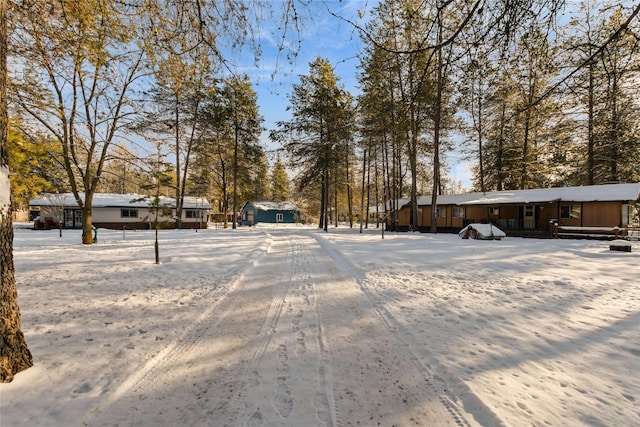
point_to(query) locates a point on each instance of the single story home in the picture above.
(118, 211)
(269, 212)
(528, 212)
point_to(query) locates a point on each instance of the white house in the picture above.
(118, 211)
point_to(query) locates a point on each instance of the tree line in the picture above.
(114, 94)
(529, 99)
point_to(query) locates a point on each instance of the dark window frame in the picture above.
(570, 211)
(458, 212)
(128, 212)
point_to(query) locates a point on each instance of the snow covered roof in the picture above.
(590, 193)
(108, 200)
(275, 206)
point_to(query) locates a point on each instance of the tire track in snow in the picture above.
(251, 346)
(291, 380)
(437, 384)
(251, 378)
(148, 377)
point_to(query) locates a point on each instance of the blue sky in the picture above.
(321, 35)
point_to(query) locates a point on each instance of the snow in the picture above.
(291, 326)
(275, 206)
(485, 231)
(108, 200)
(5, 193)
(589, 193)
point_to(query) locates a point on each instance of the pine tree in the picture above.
(279, 182)
(318, 134)
(36, 165)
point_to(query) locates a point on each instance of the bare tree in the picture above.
(81, 65)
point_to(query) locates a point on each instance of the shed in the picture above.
(269, 212)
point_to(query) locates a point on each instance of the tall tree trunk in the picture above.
(326, 199)
(178, 180)
(349, 195)
(376, 190)
(386, 186)
(413, 163)
(525, 150)
(323, 185)
(225, 202)
(235, 171)
(14, 353)
(614, 133)
(500, 175)
(364, 172)
(436, 133)
(480, 142)
(87, 217)
(590, 124)
(366, 212)
(335, 204)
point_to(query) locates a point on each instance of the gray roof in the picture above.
(275, 206)
(107, 200)
(590, 193)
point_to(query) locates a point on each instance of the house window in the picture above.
(128, 213)
(457, 212)
(569, 211)
(279, 217)
(630, 215)
(441, 212)
(191, 213)
(494, 211)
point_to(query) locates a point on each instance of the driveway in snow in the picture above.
(296, 327)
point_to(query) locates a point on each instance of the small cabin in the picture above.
(269, 212)
(118, 211)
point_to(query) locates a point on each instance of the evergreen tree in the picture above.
(36, 166)
(254, 175)
(230, 165)
(617, 116)
(279, 182)
(524, 134)
(318, 134)
(245, 124)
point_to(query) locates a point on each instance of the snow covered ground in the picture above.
(297, 327)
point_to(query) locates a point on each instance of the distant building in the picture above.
(527, 212)
(269, 212)
(118, 211)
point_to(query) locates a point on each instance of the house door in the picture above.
(529, 217)
(72, 218)
(77, 218)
